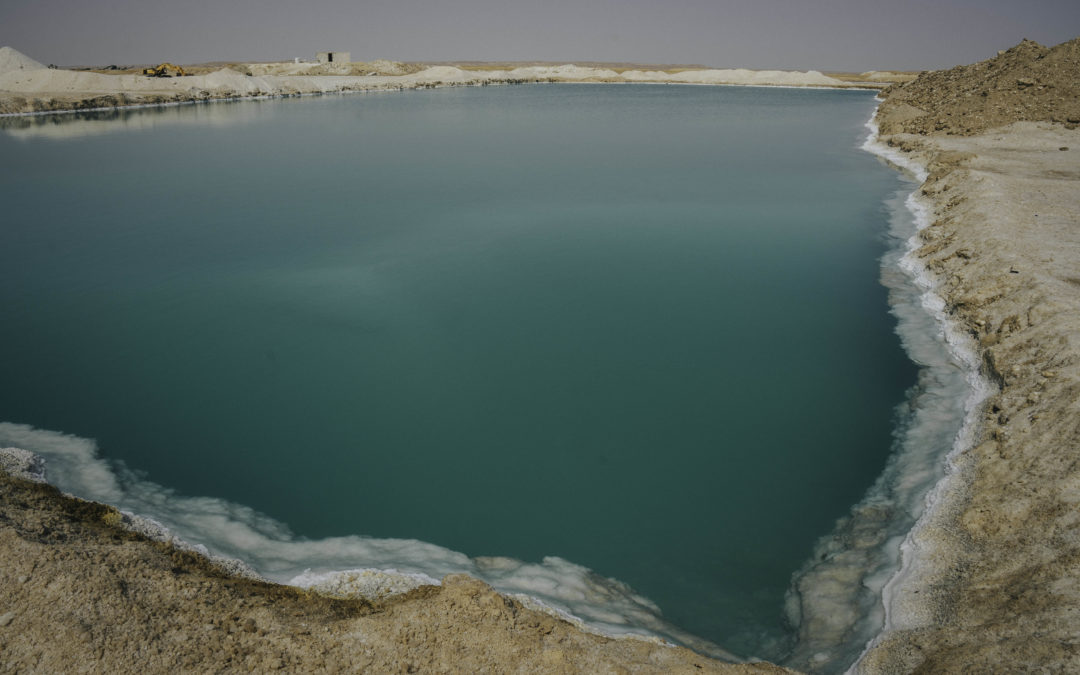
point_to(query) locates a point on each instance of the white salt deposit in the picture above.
(843, 596)
(891, 155)
(352, 566)
(227, 80)
(372, 584)
(939, 422)
(22, 464)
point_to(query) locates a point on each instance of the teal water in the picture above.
(636, 327)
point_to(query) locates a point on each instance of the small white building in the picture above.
(334, 57)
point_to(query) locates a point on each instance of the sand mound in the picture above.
(231, 83)
(445, 74)
(386, 67)
(12, 59)
(1028, 83)
(566, 71)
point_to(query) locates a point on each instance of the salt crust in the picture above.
(913, 557)
(246, 543)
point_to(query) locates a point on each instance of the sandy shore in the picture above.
(990, 577)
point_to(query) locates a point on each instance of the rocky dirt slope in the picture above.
(993, 581)
(1028, 83)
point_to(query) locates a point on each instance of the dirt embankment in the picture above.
(77, 592)
(993, 582)
(1028, 83)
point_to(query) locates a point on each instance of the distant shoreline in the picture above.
(268, 97)
(27, 87)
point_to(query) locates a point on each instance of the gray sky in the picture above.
(804, 34)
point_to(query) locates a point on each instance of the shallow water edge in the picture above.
(842, 600)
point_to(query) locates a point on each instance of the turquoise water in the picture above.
(636, 327)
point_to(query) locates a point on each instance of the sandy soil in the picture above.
(991, 576)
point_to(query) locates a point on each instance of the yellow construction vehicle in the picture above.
(164, 70)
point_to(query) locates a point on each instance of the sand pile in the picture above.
(446, 74)
(567, 72)
(387, 67)
(1028, 83)
(13, 60)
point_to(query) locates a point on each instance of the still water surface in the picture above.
(636, 327)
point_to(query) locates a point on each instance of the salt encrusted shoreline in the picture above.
(991, 574)
(835, 602)
(78, 591)
(989, 579)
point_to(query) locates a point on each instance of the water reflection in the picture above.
(79, 124)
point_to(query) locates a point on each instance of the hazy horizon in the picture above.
(836, 35)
